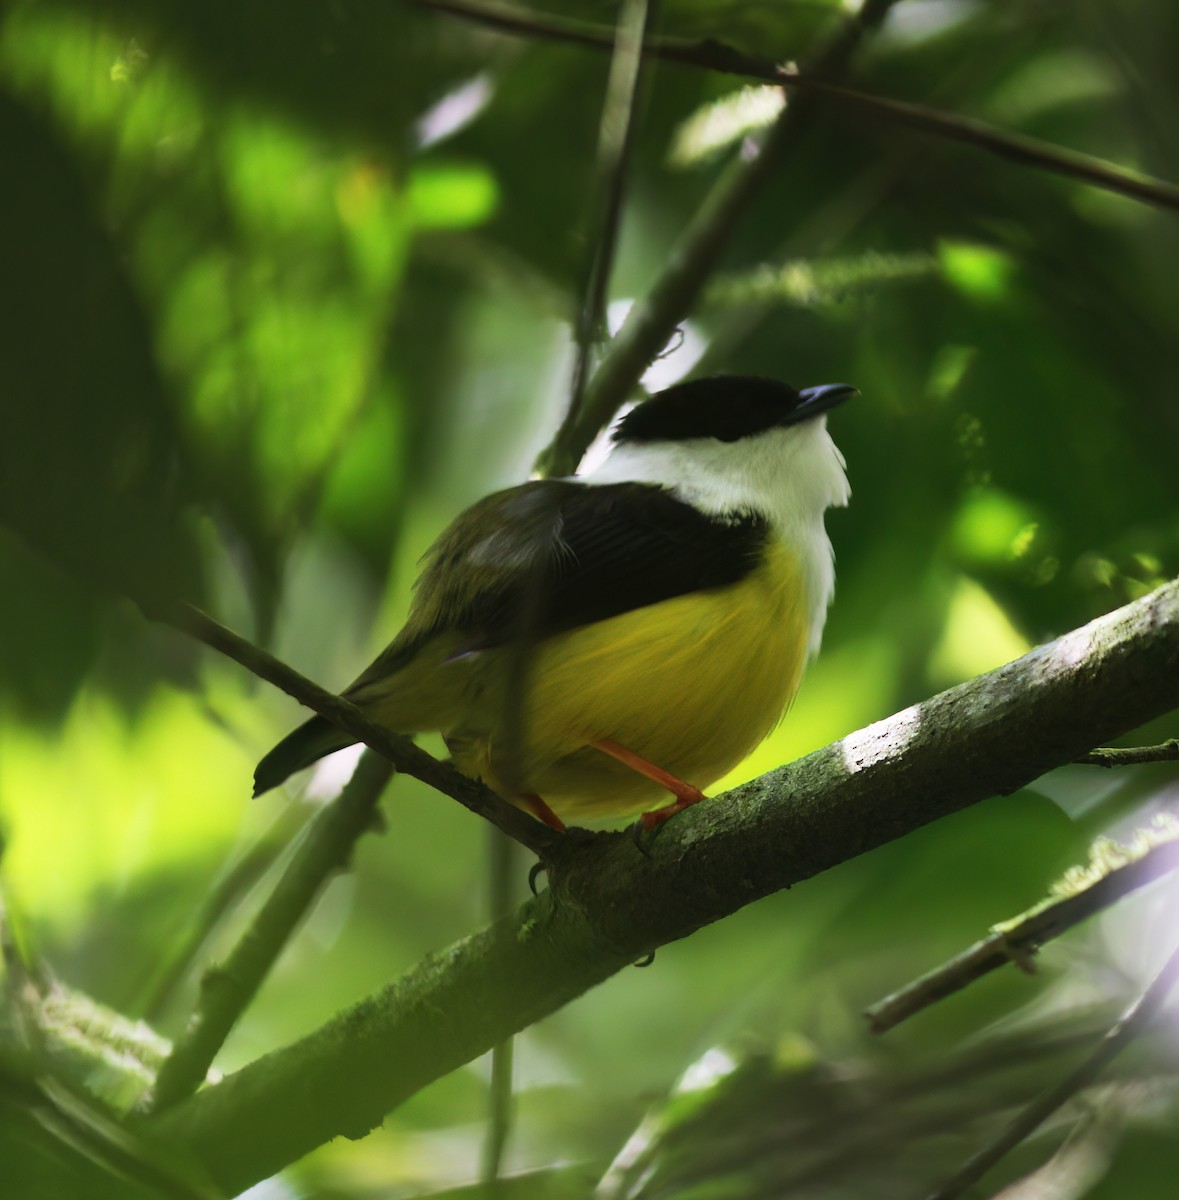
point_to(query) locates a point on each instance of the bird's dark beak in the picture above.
(813, 401)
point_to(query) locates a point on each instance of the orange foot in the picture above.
(685, 794)
(539, 809)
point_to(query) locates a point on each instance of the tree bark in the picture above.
(608, 904)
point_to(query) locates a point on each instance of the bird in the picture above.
(593, 645)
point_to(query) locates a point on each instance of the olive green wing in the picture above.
(522, 565)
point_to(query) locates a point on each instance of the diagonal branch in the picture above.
(708, 53)
(713, 55)
(400, 751)
(609, 904)
(1015, 147)
(1016, 941)
(1129, 1025)
(228, 987)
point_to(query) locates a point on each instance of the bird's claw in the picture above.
(534, 873)
(642, 833)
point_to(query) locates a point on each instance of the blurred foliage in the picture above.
(287, 285)
(783, 1121)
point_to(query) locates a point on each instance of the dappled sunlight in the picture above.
(846, 686)
(272, 319)
(451, 195)
(108, 800)
(980, 272)
(978, 636)
(713, 1065)
(880, 742)
(719, 124)
(330, 774)
(456, 110)
(1072, 649)
(992, 527)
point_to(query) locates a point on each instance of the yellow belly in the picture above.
(691, 684)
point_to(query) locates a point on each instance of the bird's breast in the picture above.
(691, 684)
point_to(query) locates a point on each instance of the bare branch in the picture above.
(653, 320)
(400, 751)
(608, 904)
(1014, 147)
(1017, 941)
(708, 53)
(1129, 1025)
(717, 56)
(615, 142)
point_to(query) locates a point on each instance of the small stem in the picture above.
(229, 987)
(1128, 1026)
(1012, 146)
(1111, 756)
(1017, 942)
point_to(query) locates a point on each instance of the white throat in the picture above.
(791, 476)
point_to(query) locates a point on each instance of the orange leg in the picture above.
(539, 809)
(685, 794)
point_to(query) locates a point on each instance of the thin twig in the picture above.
(1112, 756)
(1012, 146)
(1128, 1026)
(717, 56)
(615, 143)
(400, 751)
(1018, 942)
(708, 53)
(228, 987)
(653, 320)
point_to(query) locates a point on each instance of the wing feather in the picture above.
(554, 555)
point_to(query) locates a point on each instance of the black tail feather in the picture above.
(310, 742)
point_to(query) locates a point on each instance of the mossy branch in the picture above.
(609, 904)
(1110, 877)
